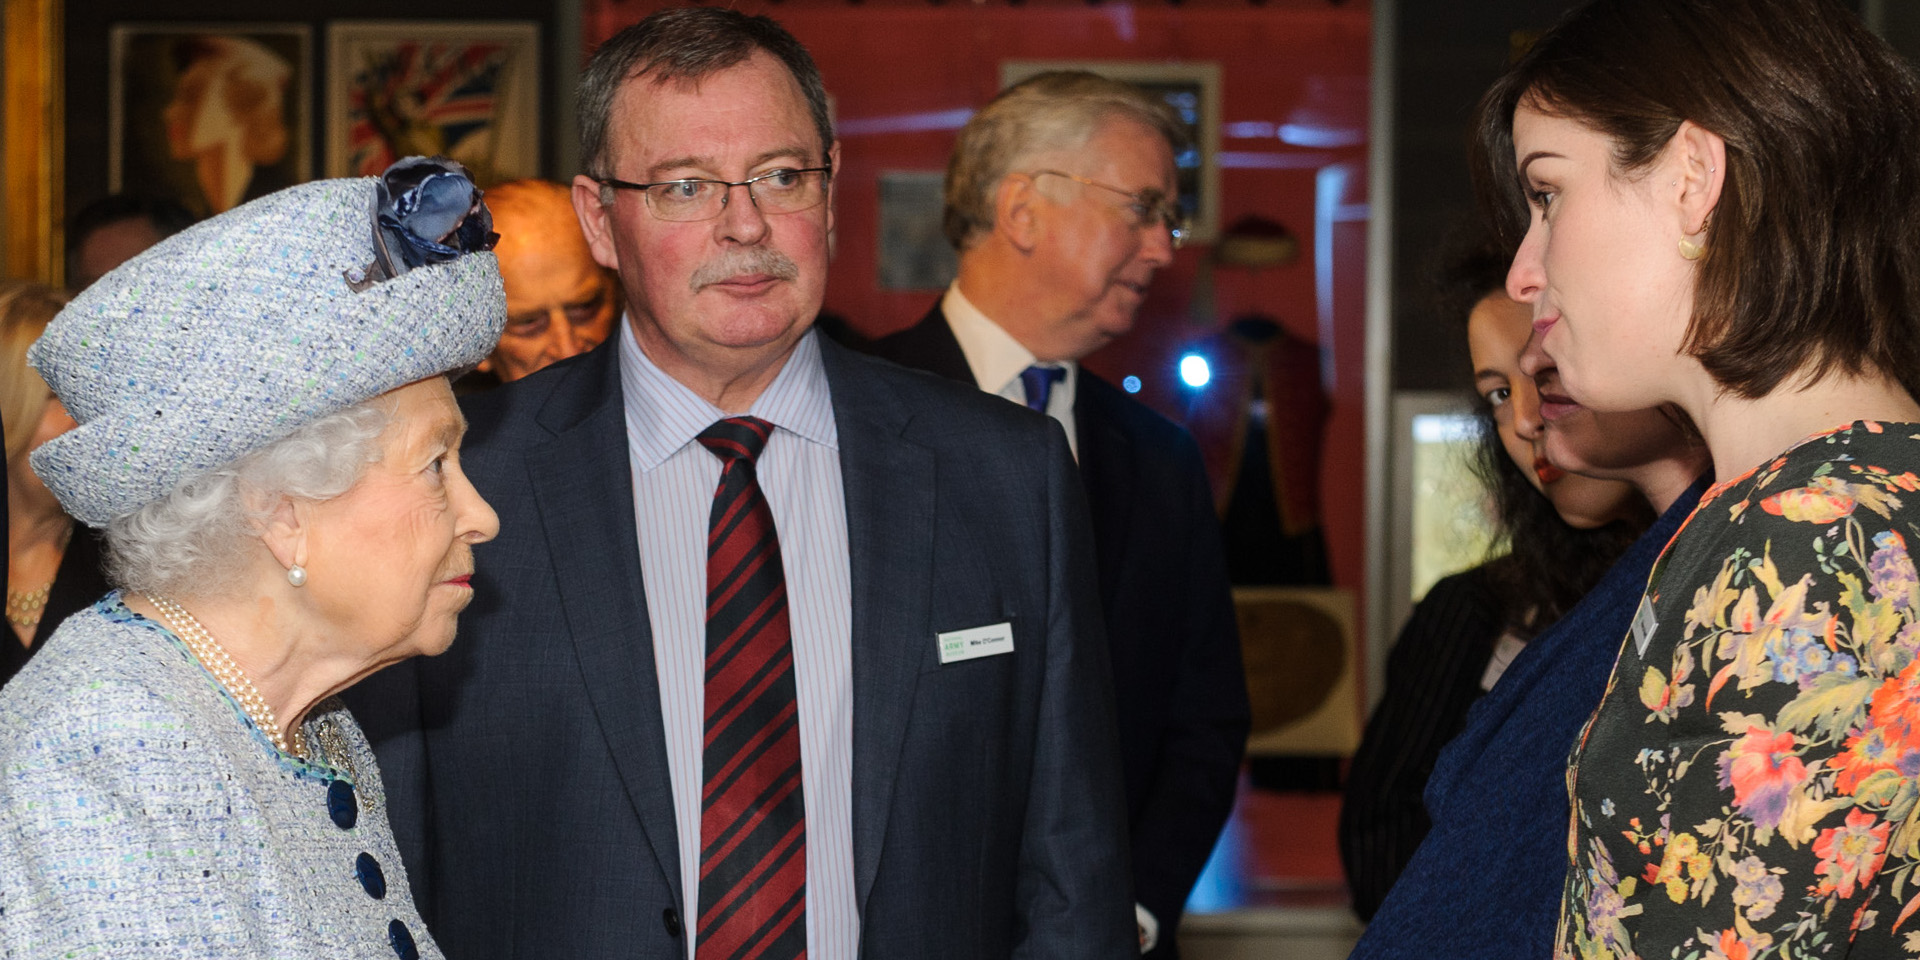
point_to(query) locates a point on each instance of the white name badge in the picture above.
(968, 644)
(1643, 626)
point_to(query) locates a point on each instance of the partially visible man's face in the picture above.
(559, 301)
(109, 246)
(744, 281)
(1090, 243)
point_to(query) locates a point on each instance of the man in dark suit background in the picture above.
(781, 648)
(1060, 198)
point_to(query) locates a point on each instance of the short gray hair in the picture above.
(192, 541)
(1046, 113)
(687, 43)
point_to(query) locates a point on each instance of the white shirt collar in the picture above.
(664, 415)
(997, 359)
(993, 355)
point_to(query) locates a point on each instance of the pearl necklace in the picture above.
(210, 654)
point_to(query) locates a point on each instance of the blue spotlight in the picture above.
(1131, 384)
(1194, 371)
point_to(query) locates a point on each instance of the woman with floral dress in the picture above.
(1723, 213)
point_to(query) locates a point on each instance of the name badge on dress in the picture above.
(1643, 626)
(1508, 648)
(976, 642)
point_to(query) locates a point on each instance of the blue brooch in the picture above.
(425, 210)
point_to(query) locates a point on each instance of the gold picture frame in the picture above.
(35, 153)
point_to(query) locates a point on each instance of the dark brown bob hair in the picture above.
(1813, 252)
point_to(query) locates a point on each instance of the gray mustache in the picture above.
(744, 260)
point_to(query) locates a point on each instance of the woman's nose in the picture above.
(1525, 400)
(1527, 275)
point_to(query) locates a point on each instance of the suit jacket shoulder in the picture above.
(862, 383)
(1098, 401)
(927, 345)
(556, 397)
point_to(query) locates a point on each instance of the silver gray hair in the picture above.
(1047, 113)
(193, 541)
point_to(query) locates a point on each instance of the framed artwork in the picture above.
(914, 253)
(212, 115)
(1193, 91)
(466, 90)
(1303, 670)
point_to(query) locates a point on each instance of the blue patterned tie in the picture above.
(1039, 381)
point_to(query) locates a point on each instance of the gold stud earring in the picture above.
(1690, 250)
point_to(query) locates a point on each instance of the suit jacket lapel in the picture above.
(583, 485)
(1106, 458)
(889, 486)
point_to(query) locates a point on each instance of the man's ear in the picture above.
(1701, 156)
(833, 163)
(1016, 211)
(595, 222)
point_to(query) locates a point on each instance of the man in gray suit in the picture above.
(782, 650)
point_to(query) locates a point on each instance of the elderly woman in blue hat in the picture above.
(267, 437)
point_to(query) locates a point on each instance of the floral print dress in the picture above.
(1747, 787)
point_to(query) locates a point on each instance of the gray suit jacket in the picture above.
(526, 770)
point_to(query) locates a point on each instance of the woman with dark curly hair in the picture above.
(1564, 531)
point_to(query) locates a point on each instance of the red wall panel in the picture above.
(1293, 148)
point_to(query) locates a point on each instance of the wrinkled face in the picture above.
(388, 561)
(1496, 333)
(559, 301)
(1599, 265)
(743, 281)
(1098, 260)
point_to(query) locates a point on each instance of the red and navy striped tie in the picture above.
(753, 831)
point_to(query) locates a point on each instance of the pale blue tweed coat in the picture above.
(141, 814)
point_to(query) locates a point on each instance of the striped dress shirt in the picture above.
(799, 471)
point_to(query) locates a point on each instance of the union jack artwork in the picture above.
(435, 95)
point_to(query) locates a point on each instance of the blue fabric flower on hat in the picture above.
(426, 210)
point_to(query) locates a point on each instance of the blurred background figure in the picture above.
(559, 301)
(1061, 199)
(50, 572)
(109, 231)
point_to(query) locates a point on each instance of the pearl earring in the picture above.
(297, 575)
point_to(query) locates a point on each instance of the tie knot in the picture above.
(736, 438)
(1038, 381)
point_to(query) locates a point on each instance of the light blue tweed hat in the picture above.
(233, 333)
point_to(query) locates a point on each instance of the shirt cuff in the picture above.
(1149, 928)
